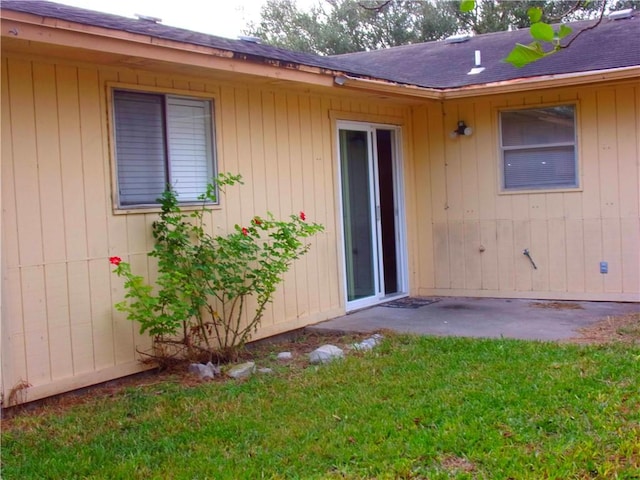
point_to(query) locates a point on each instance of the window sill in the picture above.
(532, 191)
(185, 207)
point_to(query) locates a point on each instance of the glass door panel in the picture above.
(358, 215)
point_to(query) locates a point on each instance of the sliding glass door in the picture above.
(371, 214)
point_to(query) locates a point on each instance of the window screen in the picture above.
(539, 148)
(161, 140)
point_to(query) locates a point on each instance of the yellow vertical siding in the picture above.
(60, 330)
(479, 234)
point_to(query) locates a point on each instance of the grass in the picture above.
(416, 407)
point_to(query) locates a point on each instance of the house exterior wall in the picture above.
(471, 236)
(59, 225)
(60, 330)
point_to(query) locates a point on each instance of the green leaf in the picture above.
(467, 5)
(542, 31)
(564, 31)
(522, 55)
(535, 14)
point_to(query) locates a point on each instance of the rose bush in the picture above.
(199, 302)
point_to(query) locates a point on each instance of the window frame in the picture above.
(112, 87)
(503, 190)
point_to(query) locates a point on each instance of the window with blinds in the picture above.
(538, 148)
(161, 140)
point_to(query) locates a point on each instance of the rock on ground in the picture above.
(369, 343)
(325, 354)
(204, 372)
(242, 370)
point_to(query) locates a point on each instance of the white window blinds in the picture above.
(162, 140)
(188, 131)
(539, 148)
(140, 149)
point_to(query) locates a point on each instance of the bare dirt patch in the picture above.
(621, 329)
(456, 465)
(262, 352)
(558, 305)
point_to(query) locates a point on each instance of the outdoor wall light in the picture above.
(461, 130)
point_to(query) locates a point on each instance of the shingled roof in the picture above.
(611, 45)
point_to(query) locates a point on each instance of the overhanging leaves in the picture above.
(467, 5)
(542, 31)
(522, 55)
(534, 14)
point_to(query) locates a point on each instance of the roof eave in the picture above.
(35, 28)
(507, 86)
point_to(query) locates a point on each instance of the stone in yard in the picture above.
(325, 354)
(265, 370)
(285, 356)
(243, 370)
(204, 372)
(369, 343)
(215, 370)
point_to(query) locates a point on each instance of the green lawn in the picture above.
(416, 407)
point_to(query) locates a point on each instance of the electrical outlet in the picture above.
(604, 267)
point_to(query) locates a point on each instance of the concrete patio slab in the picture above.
(482, 317)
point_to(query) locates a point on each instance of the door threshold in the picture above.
(385, 299)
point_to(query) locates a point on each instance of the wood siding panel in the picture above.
(506, 247)
(80, 315)
(320, 128)
(472, 255)
(297, 194)
(557, 255)
(594, 282)
(469, 165)
(102, 328)
(71, 163)
(486, 172)
(96, 179)
(608, 154)
(540, 254)
(612, 254)
(441, 247)
(457, 254)
(423, 207)
(575, 245)
(489, 255)
(523, 268)
(36, 333)
(588, 155)
(630, 236)
(50, 174)
(58, 326)
(309, 197)
(628, 137)
(25, 162)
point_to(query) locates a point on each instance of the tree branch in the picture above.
(377, 8)
(602, 8)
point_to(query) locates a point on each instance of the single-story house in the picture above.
(433, 167)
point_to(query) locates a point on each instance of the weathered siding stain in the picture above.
(568, 233)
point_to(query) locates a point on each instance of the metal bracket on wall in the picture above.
(528, 255)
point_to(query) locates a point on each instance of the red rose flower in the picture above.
(245, 232)
(115, 260)
(257, 221)
(303, 217)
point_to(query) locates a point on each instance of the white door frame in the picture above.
(400, 225)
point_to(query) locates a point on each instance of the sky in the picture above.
(225, 18)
